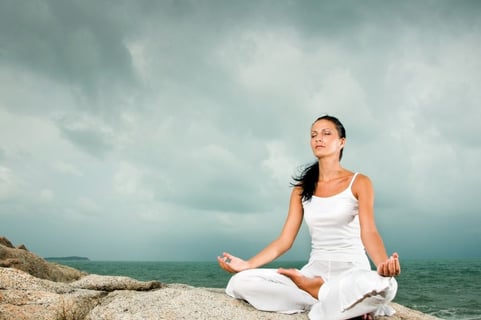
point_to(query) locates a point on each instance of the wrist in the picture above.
(249, 265)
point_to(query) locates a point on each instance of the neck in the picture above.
(329, 169)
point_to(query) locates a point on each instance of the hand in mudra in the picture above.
(391, 267)
(231, 263)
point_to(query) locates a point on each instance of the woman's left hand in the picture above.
(391, 267)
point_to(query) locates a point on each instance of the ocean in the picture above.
(447, 289)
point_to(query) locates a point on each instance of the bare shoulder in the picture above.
(361, 185)
(362, 179)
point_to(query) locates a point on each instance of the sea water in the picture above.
(447, 289)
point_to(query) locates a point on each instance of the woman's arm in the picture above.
(277, 247)
(386, 266)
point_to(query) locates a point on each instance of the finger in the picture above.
(383, 269)
(380, 269)
(397, 263)
(227, 255)
(398, 267)
(224, 265)
(392, 267)
(228, 268)
(221, 262)
(227, 261)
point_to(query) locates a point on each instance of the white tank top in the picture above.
(333, 224)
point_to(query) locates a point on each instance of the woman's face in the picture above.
(325, 139)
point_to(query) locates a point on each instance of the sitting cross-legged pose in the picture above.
(338, 208)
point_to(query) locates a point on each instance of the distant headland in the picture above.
(70, 258)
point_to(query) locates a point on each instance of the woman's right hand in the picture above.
(231, 263)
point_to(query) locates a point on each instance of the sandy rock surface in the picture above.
(23, 296)
(32, 288)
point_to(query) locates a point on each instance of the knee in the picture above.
(241, 282)
(391, 291)
(242, 277)
(235, 281)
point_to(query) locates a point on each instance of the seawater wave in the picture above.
(447, 289)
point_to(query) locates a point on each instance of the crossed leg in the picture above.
(312, 286)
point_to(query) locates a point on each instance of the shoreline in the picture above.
(95, 297)
(34, 288)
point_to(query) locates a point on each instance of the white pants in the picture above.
(349, 290)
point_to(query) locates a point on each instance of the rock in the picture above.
(180, 302)
(23, 296)
(403, 313)
(111, 283)
(5, 242)
(32, 288)
(186, 302)
(22, 259)
(22, 247)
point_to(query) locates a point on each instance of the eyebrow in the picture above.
(329, 129)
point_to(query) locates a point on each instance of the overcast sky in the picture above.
(170, 130)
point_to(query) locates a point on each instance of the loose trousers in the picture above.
(349, 290)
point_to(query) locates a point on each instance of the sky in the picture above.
(170, 130)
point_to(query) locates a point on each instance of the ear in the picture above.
(342, 142)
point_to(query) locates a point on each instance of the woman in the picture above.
(337, 282)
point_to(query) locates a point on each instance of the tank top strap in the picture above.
(352, 180)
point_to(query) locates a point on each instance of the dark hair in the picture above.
(308, 177)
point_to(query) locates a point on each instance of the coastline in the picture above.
(34, 288)
(96, 297)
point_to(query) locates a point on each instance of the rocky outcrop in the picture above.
(22, 259)
(95, 297)
(25, 296)
(5, 242)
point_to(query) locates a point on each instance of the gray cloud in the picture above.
(76, 43)
(182, 122)
(88, 134)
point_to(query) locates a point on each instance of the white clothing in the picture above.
(353, 293)
(333, 224)
(337, 255)
(268, 290)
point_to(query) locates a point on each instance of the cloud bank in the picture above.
(170, 130)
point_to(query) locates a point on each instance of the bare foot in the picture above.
(310, 285)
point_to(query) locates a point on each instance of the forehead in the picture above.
(323, 124)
